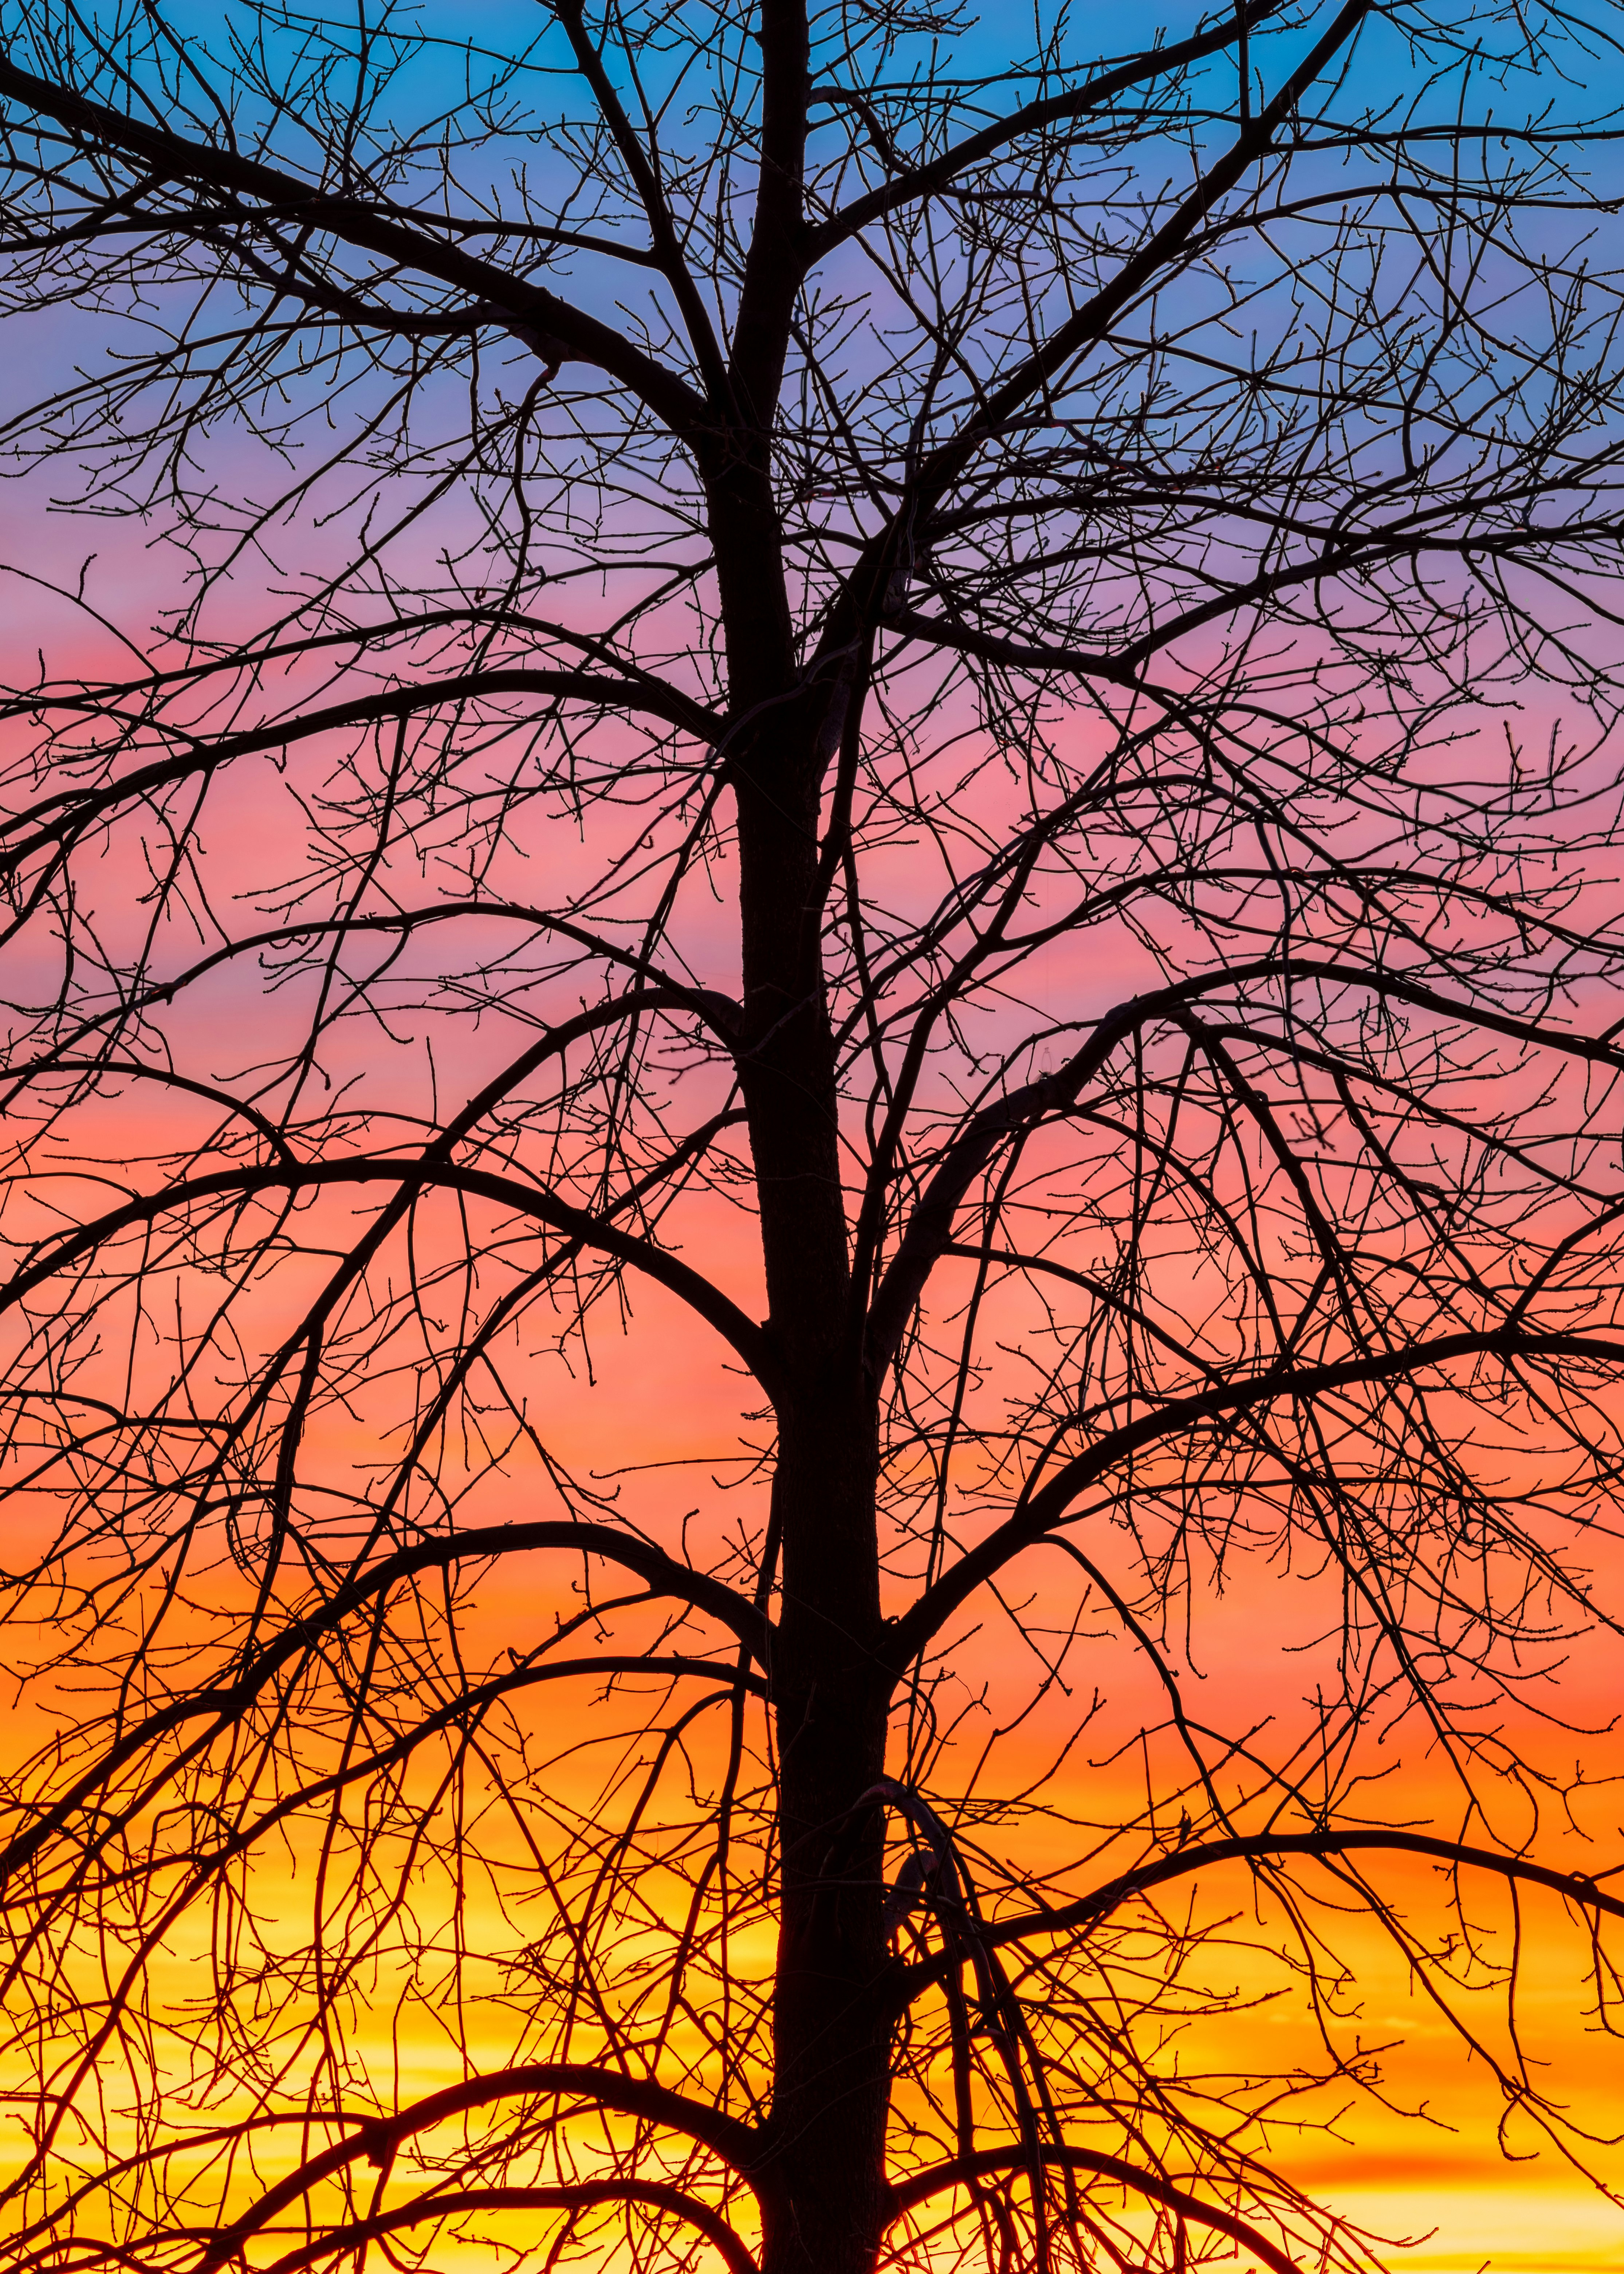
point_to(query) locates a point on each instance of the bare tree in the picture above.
(919, 714)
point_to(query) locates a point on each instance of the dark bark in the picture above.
(830, 2079)
(829, 1689)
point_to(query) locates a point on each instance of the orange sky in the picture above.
(659, 1396)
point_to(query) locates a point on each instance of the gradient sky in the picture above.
(657, 1395)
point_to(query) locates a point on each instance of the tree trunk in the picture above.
(829, 1696)
(832, 2085)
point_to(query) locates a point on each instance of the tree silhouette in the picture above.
(912, 719)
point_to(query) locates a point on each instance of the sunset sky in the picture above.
(651, 1410)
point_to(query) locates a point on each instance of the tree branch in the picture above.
(222, 1703)
(1063, 1918)
(1052, 110)
(81, 809)
(581, 2195)
(910, 1634)
(354, 222)
(378, 2138)
(929, 1230)
(717, 1309)
(991, 2161)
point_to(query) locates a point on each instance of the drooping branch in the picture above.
(378, 2139)
(68, 813)
(357, 221)
(992, 2163)
(580, 2194)
(718, 1010)
(717, 1309)
(1580, 1889)
(458, 1712)
(218, 1704)
(1212, 1407)
(929, 1229)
